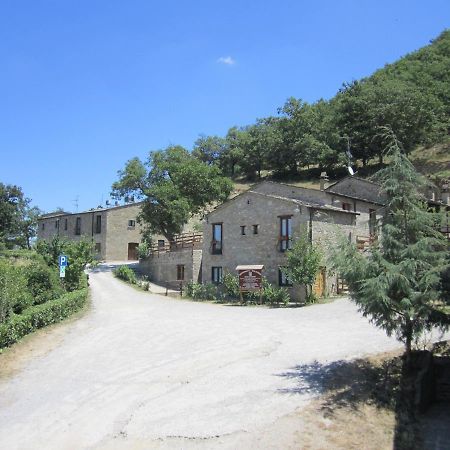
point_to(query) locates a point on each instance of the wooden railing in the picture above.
(184, 240)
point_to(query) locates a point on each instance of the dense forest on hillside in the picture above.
(410, 96)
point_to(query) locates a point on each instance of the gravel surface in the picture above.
(145, 371)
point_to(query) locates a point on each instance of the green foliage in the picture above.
(303, 263)
(207, 291)
(230, 285)
(14, 296)
(18, 220)
(176, 187)
(40, 316)
(80, 254)
(398, 284)
(126, 274)
(144, 250)
(43, 283)
(275, 295)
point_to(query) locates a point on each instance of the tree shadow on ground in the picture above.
(348, 383)
(351, 384)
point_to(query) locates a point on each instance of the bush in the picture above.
(43, 283)
(230, 284)
(143, 250)
(126, 274)
(275, 295)
(39, 316)
(79, 254)
(207, 291)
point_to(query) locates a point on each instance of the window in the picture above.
(65, 224)
(78, 226)
(243, 230)
(217, 232)
(283, 280)
(98, 224)
(161, 243)
(372, 222)
(346, 206)
(43, 226)
(255, 229)
(131, 223)
(285, 233)
(98, 247)
(57, 223)
(180, 272)
(216, 275)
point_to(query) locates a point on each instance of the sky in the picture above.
(85, 85)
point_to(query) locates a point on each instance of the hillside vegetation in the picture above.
(410, 96)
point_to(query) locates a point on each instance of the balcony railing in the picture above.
(181, 241)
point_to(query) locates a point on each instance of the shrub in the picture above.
(207, 291)
(126, 274)
(39, 316)
(14, 295)
(275, 295)
(143, 250)
(42, 282)
(230, 284)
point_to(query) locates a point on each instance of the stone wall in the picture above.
(162, 268)
(119, 234)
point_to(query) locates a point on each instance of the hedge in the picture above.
(40, 316)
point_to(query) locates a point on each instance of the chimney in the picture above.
(323, 180)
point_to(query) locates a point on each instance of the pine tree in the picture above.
(398, 284)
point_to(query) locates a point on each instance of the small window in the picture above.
(43, 226)
(161, 243)
(283, 280)
(57, 223)
(255, 229)
(131, 223)
(346, 206)
(98, 247)
(243, 230)
(180, 272)
(78, 226)
(216, 275)
(98, 224)
(65, 224)
(285, 233)
(217, 233)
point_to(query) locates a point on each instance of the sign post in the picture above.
(62, 262)
(250, 280)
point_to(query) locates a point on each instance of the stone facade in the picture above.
(260, 213)
(163, 268)
(114, 231)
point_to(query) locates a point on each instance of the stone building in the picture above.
(258, 226)
(114, 230)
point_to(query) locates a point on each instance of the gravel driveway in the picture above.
(146, 371)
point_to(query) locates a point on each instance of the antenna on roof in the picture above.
(75, 202)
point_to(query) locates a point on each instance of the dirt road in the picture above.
(145, 371)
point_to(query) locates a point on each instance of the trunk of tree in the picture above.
(380, 159)
(364, 161)
(408, 344)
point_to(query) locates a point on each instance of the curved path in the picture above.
(146, 371)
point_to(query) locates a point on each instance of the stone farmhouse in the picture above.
(259, 226)
(114, 230)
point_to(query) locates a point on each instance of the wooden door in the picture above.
(133, 251)
(319, 285)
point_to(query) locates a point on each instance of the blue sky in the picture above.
(87, 85)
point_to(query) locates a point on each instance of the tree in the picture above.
(303, 263)
(18, 220)
(176, 186)
(209, 149)
(398, 284)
